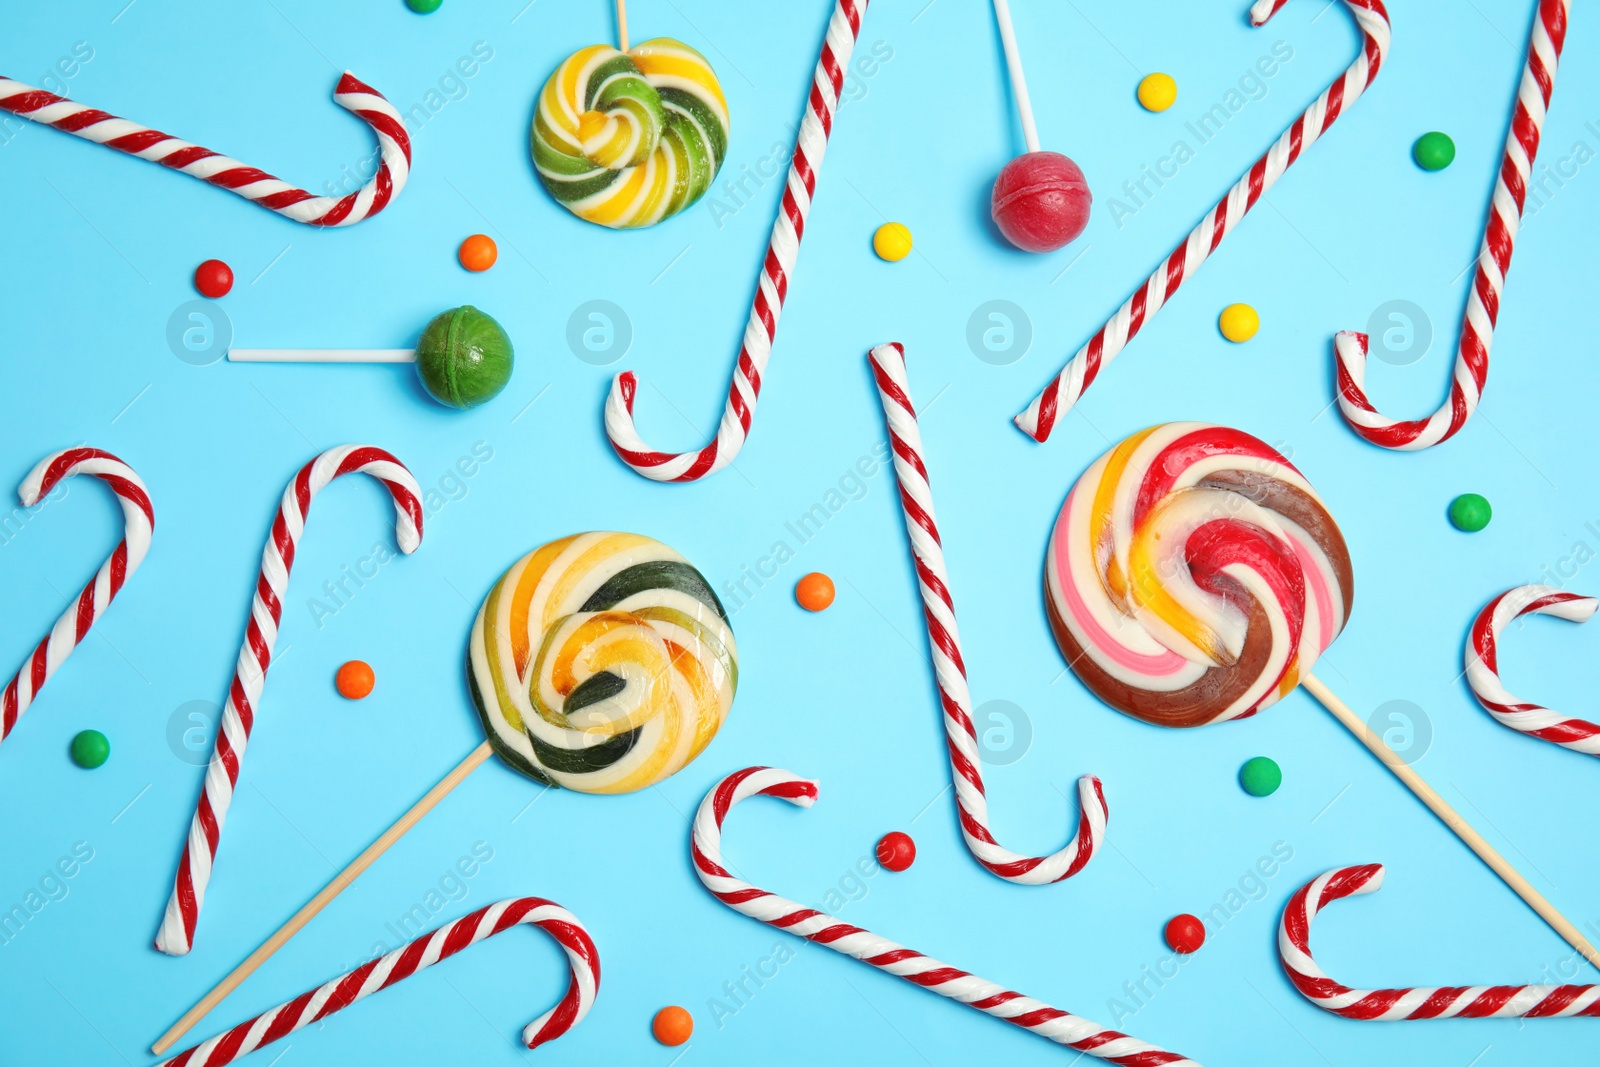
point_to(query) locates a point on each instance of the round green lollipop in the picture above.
(464, 358)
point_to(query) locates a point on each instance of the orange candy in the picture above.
(673, 1025)
(814, 592)
(478, 252)
(355, 680)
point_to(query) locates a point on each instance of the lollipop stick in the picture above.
(321, 900)
(622, 25)
(1448, 815)
(321, 355)
(1019, 84)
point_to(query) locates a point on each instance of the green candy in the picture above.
(464, 358)
(1260, 776)
(424, 7)
(90, 749)
(1434, 151)
(1470, 512)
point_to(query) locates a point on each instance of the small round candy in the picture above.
(424, 7)
(214, 279)
(1040, 201)
(355, 680)
(1260, 776)
(478, 252)
(1157, 92)
(1185, 934)
(1238, 322)
(672, 1025)
(464, 358)
(90, 749)
(892, 241)
(1470, 512)
(896, 851)
(1434, 151)
(814, 592)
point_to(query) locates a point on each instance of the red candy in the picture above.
(1185, 934)
(896, 851)
(214, 279)
(1040, 201)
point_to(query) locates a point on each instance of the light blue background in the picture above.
(100, 249)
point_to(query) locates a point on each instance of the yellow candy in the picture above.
(892, 242)
(1157, 92)
(1239, 322)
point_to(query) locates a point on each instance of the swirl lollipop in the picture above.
(1194, 576)
(601, 663)
(632, 137)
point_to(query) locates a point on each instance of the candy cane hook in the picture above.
(1372, 19)
(1053, 1024)
(257, 186)
(138, 520)
(343, 991)
(176, 935)
(772, 285)
(1483, 665)
(950, 669)
(1489, 276)
(1426, 1002)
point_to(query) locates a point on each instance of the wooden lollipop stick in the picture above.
(321, 900)
(622, 25)
(1448, 815)
(1019, 84)
(322, 355)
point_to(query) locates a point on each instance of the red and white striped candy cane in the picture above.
(950, 670)
(425, 951)
(1483, 665)
(176, 935)
(1489, 277)
(1423, 1002)
(823, 929)
(138, 519)
(363, 101)
(1041, 416)
(772, 285)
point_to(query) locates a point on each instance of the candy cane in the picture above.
(949, 668)
(176, 935)
(1426, 1002)
(582, 959)
(1483, 665)
(138, 519)
(258, 186)
(1489, 279)
(1080, 372)
(772, 285)
(1056, 1025)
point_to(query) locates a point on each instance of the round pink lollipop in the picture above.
(1041, 200)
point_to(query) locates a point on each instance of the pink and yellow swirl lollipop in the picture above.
(1195, 576)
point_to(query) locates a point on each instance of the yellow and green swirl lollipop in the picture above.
(601, 662)
(626, 139)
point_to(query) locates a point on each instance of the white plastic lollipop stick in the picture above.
(322, 355)
(1019, 84)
